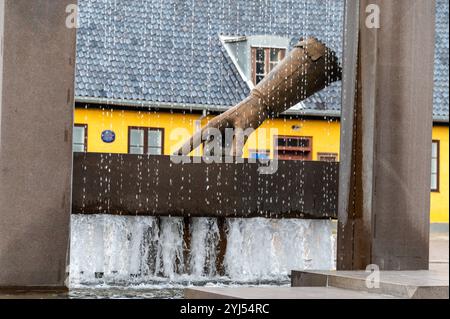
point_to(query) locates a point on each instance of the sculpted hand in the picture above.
(310, 67)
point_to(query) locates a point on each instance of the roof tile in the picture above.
(170, 51)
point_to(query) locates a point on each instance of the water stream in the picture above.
(123, 252)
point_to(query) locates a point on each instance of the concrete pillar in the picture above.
(384, 196)
(37, 65)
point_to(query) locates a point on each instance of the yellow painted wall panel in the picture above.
(325, 135)
(119, 121)
(440, 200)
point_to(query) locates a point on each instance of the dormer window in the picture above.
(264, 60)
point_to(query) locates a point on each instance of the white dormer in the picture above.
(255, 56)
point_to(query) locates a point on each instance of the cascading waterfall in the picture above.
(204, 240)
(138, 250)
(170, 259)
(265, 248)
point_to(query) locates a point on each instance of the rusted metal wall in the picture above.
(154, 186)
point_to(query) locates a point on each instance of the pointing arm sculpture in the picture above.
(310, 67)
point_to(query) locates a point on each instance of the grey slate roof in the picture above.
(169, 52)
(441, 82)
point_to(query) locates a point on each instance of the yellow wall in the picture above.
(439, 200)
(325, 134)
(119, 121)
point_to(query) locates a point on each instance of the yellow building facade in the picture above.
(324, 136)
(439, 198)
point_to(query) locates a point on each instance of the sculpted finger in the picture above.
(190, 145)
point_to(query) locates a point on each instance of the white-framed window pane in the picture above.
(79, 148)
(137, 138)
(266, 59)
(260, 55)
(79, 135)
(275, 55)
(137, 141)
(434, 182)
(154, 138)
(434, 165)
(79, 139)
(154, 151)
(259, 78)
(260, 67)
(137, 150)
(434, 153)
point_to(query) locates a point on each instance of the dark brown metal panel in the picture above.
(153, 185)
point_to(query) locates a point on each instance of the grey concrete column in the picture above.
(384, 197)
(37, 65)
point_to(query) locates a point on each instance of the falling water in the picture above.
(128, 250)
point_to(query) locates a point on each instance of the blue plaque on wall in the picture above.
(108, 136)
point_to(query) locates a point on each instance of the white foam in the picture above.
(128, 250)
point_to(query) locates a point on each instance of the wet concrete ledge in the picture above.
(431, 284)
(421, 284)
(425, 284)
(270, 293)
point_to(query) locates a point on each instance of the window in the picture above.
(144, 140)
(79, 143)
(259, 154)
(327, 157)
(435, 166)
(293, 148)
(264, 60)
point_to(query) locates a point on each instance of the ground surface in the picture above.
(439, 259)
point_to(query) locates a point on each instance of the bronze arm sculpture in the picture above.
(309, 68)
